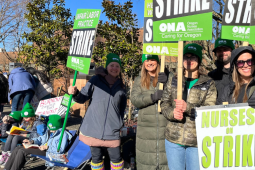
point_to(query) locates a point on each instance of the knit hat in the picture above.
(28, 111)
(16, 115)
(111, 57)
(223, 43)
(193, 49)
(54, 122)
(149, 57)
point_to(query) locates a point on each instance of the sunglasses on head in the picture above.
(241, 63)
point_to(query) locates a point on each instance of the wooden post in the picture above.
(179, 70)
(245, 43)
(162, 69)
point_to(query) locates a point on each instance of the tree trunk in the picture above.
(129, 108)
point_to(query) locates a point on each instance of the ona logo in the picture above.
(115, 59)
(192, 48)
(26, 113)
(50, 125)
(147, 56)
(12, 113)
(222, 42)
(75, 60)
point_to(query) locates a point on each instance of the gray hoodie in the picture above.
(105, 113)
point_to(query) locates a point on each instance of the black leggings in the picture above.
(18, 157)
(97, 154)
(12, 141)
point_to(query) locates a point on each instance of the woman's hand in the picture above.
(178, 114)
(72, 90)
(6, 119)
(180, 104)
(27, 141)
(43, 147)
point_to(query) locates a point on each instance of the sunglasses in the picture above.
(191, 58)
(241, 63)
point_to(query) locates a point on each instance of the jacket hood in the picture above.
(236, 53)
(18, 70)
(58, 132)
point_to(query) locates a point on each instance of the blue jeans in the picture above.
(26, 95)
(179, 157)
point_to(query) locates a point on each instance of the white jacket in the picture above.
(43, 89)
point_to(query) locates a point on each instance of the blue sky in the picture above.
(138, 7)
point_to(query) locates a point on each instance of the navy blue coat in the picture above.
(104, 117)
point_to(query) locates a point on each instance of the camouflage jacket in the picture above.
(203, 93)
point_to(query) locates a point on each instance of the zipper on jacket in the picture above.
(106, 113)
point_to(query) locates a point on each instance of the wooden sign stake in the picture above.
(245, 43)
(179, 70)
(162, 69)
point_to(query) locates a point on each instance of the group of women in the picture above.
(165, 140)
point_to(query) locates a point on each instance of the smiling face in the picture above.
(113, 69)
(151, 65)
(248, 67)
(190, 62)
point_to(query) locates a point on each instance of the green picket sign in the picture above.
(81, 48)
(182, 21)
(65, 100)
(167, 48)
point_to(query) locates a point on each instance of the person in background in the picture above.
(29, 123)
(222, 50)
(242, 88)
(198, 90)
(21, 86)
(104, 117)
(48, 144)
(43, 85)
(3, 92)
(150, 138)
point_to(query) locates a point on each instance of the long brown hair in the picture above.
(238, 83)
(30, 122)
(146, 78)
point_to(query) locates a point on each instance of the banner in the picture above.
(179, 20)
(225, 136)
(149, 46)
(236, 20)
(252, 24)
(49, 106)
(83, 37)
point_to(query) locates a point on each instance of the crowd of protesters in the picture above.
(164, 140)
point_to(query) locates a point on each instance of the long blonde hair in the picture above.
(30, 123)
(238, 83)
(146, 78)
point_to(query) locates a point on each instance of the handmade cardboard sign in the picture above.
(179, 20)
(225, 136)
(83, 37)
(236, 20)
(149, 46)
(49, 106)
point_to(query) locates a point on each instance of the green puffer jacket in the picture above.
(203, 93)
(150, 138)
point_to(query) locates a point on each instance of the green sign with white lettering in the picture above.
(149, 46)
(177, 20)
(84, 34)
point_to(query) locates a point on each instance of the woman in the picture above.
(29, 123)
(104, 117)
(180, 133)
(3, 92)
(21, 86)
(48, 144)
(43, 85)
(242, 88)
(150, 140)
